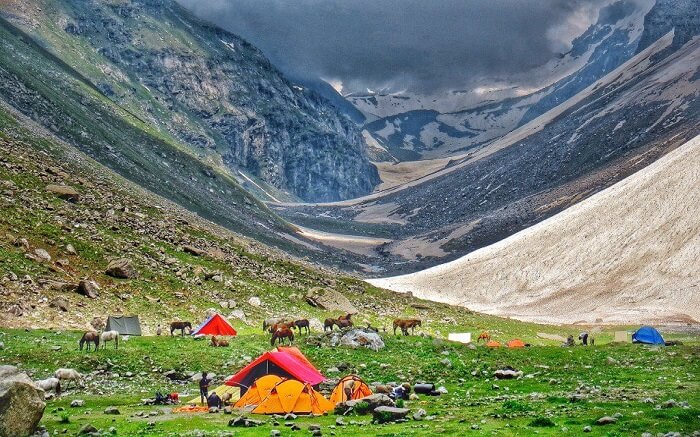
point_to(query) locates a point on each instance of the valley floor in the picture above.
(564, 390)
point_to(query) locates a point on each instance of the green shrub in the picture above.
(399, 403)
(542, 422)
(361, 407)
(513, 405)
(64, 417)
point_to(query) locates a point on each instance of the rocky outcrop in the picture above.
(64, 192)
(330, 300)
(120, 268)
(681, 16)
(21, 403)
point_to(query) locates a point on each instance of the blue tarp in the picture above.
(647, 335)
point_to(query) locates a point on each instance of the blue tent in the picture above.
(647, 335)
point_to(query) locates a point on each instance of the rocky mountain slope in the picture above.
(411, 127)
(625, 255)
(629, 118)
(204, 89)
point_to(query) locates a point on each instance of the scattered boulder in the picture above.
(373, 401)
(244, 422)
(98, 323)
(389, 414)
(70, 250)
(193, 250)
(254, 301)
(21, 402)
(112, 410)
(606, 420)
(88, 289)
(122, 269)
(64, 192)
(329, 300)
(420, 414)
(508, 373)
(59, 303)
(42, 254)
(75, 403)
(87, 429)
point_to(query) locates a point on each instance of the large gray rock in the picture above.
(21, 403)
(373, 401)
(122, 269)
(64, 192)
(329, 300)
(389, 414)
(358, 338)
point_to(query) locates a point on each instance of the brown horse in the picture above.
(345, 317)
(344, 323)
(302, 323)
(281, 334)
(404, 324)
(281, 325)
(484, 336)
(218, 342)
(328, 324)
(90, 337)
(181, 326)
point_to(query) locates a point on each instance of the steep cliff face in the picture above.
(206, 88)
(681, 16)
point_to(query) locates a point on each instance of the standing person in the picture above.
(204, 388)
(159, 331)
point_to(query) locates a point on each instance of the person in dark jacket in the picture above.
(214, 401)
(204, 388)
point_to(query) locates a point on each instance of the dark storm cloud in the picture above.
(423, 45)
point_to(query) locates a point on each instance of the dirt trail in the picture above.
(628, 254)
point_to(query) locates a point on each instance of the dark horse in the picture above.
(303, 323)
(90, 337)
(281, 334)
(404, 324)
(328, 324)
(344, 323)
(181, 326)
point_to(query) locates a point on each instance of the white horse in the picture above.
(68, 375)
(109, 336)
(49, 384)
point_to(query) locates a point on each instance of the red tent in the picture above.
(215, 325)
(287, 362)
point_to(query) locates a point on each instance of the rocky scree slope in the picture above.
(78, 241)
(204, 88)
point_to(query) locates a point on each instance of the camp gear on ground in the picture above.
(286, 362)
(493, 343)
(349, 388)
(216, 324)
(190, 409)
(647, 335)
(292, 396)
(423, 389)
(515, 343)
(258, 391)
(124, 325)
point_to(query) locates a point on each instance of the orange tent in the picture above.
(493, 343)
(292, 396)
(358, 389)
(515, 343)
(258, 391)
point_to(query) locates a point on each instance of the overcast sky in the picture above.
(419, 45)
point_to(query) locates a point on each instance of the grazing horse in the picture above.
(68, 375)
(49, 384)
(328, 324)
(109, 336)
(345, 317)
(281, 334)
(90, 337)
(404, 324)
(277, 326)
(181, 326)
(303, 323)
(484, 336)
(218, 342)
(344, 323)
